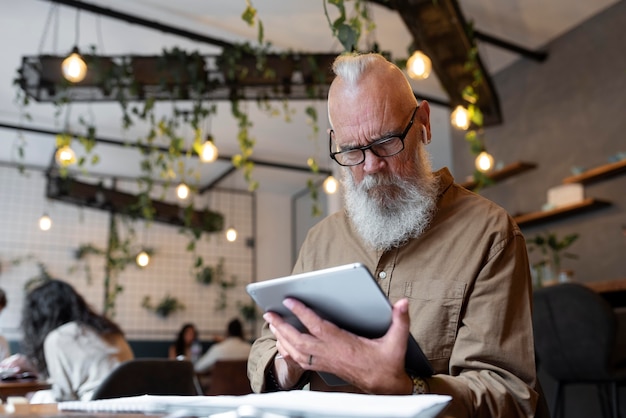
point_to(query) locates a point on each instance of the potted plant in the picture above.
(166, 306)
(552, 248)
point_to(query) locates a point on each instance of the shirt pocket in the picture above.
(435, 308)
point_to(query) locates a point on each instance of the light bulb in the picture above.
(231, 234)
(143, 259)
(208, 152)
(182, 191)
(460, 118)
(418, 66)
(65, 156)
(45, 223)
(484, 162)
(330, 185)
(74, 67)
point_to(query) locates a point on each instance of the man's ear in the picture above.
(425, 137)
(423, 117)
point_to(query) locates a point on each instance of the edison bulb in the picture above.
(74, 67)
(143, 259)
(330, 185)
(182, 191)
(45, 223)
(460, 118)
(484, 162)
(231, 234)
(208, 152)
(65, 156)
(418, 66)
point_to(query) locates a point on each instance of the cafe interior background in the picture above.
(558, 116)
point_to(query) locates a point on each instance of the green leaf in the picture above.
(249, 14)
(348, 37)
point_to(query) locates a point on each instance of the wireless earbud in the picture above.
(425, 138)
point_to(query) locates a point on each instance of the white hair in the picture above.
(403, 210)
(351, 67)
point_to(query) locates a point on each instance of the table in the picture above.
(21, 387)
(614, 291)
(51, 411)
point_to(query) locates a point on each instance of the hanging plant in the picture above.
(347, 29)
(248, 311)
(166, 306)
(209, 274)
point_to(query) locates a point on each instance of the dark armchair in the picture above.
(575, 341)
(149, 377)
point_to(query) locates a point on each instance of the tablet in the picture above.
(347, 296)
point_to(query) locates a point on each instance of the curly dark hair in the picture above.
(180, 344)
(47, 307)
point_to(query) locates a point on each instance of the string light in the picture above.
(484, 162)
(74, 67)
(208, 152)
(65, 156)
(231, 234)
(142, 259)
(45, 222)
(460, 118)
(330, 185)
(418, 66)
(182, 191)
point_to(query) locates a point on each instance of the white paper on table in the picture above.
(299, 403)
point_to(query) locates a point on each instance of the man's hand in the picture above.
(372, 365)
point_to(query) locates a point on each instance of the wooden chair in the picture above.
(226, 377)
(149, 377)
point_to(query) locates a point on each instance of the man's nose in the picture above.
(372, 163)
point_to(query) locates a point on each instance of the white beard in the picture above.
(387, 210)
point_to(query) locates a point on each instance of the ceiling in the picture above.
(289, 26)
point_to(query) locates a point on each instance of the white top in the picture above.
(5, 351)
(78, 359)
(232, 348)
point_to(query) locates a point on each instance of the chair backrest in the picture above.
(574, 332)
(229, 377)
(148, 377)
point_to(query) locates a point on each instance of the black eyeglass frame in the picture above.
(364, 148)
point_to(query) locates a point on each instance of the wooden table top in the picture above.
(51, 411)
(21, 387)
(607, 286)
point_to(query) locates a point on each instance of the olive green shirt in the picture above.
(468, 284)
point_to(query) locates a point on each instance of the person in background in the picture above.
(67, 341)
(186, 346)
(5, 350)
(452, 263)
(233, 347)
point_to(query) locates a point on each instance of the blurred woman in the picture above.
(66, 340)
(186, 345)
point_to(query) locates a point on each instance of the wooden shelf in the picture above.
(598, 173)
(510, 170)
(561, 212)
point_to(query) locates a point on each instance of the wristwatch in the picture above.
(419, 385)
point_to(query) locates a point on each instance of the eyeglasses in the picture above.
(384, 147)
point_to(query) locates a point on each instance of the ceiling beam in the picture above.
(115, 14)
(439, 30)
(144, 147)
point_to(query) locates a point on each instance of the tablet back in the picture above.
(347, 296)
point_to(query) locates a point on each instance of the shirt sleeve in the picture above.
(206, 361)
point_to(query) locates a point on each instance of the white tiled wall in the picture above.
(23, 201)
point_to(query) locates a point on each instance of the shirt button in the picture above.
(382, 275)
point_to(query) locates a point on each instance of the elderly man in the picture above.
(453, 264)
